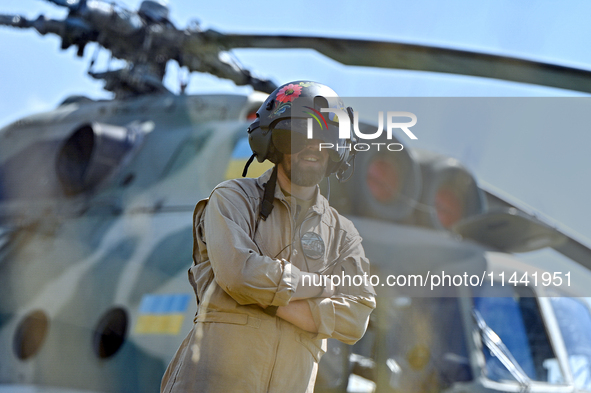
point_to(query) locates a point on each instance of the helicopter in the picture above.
(97, 197)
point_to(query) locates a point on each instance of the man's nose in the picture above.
(313, 143)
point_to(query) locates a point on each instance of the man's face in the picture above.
(307, 167)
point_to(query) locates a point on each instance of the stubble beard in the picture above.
(301, 176)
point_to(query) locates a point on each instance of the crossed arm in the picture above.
(252, 278)
(298, 312)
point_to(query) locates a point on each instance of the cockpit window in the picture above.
(574, 322)
(427, 344)
(514, 316)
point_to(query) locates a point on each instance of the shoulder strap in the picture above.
(269, 195)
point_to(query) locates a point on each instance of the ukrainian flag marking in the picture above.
(162, 314)
(240, 155)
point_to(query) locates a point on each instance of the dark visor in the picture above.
(290, 136)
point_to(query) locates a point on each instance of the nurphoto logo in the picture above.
(345, 128)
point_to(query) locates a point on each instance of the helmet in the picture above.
(282, 123)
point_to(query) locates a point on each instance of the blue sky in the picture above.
(552, 175)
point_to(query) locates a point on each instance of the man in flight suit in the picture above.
(261, 249)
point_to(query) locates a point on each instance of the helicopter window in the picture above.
(30, 334)
(109, 334)
(514, 315)
(428, 343)
(574, 322)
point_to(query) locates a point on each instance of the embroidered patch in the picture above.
(312, 245)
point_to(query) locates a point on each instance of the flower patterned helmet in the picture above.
(282, 117)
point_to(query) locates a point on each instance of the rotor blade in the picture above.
(14, 21)
(421, 58)
(71, 4)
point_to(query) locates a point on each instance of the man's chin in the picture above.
(307, 178)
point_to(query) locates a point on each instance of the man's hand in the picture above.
(298, 313)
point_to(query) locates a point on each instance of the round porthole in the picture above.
(30, 334)
(110, 332)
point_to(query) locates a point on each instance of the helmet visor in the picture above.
(290, 136)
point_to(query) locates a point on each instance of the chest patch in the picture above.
(312, 245)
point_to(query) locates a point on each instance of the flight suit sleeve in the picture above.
(345, 315)
(239, 269)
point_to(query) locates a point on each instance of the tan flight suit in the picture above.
(234, 346)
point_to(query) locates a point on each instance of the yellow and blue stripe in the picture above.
(162, 313)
